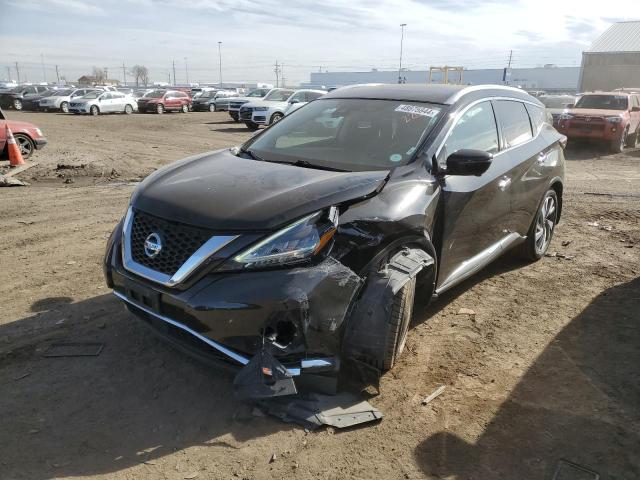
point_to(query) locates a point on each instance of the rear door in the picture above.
(476, 208)
(117, 101)
(105, 103)
(171, 102)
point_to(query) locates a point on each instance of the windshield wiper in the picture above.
(307, 164)
(253, 155)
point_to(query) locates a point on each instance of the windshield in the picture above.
(62, 93)
(557, 102)
(278, 95)
(155, 94)
(348, 134)
(94, 94)
(209, 94)
(256, 93)
(603, 102)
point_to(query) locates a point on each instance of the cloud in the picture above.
(79, 7)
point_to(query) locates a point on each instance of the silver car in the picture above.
(61, 99)
(99, 102)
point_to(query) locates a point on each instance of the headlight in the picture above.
(260, 109)
(296, 243)
(566, 116)
(615, 119)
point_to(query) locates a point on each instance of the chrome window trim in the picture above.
(207, 249)
(476, 102)
(475, 88)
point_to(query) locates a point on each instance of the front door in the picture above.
(476, 208)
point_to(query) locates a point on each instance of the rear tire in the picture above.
(541, 230)
(17, 104)
(399, 321)
(212, 108)
(185, 108)
(128, 109)
(160, 109)
(64, 107)
(252, 126)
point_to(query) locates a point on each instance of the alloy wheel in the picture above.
(94, 110)
(17, 104)
(25, 145)
(545, 223)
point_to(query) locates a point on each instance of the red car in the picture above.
(28, 137)
(613, 117)
(161, 101)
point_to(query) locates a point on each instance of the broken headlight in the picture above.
(296, 243)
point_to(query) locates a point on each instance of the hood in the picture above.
(245, 99)
(223, 192)
(265, 103)
(593, 112)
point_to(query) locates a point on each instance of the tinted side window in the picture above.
(537, 116)
(312, 96)
(299, 97)
(475, 130)
(514, 121)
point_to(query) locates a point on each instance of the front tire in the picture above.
(617, 146)
(64, 107)
(252, 126)
(160, 109)
(17, 104)
(185, 108)
(94, 110)
(212, 108)
(26, 145)
(398, 327)
(276, 117)
(235, 117)
(128, 109)
(541, 230)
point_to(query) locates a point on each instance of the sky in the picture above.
(304, 35)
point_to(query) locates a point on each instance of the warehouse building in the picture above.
(549, 77)
(613, 61)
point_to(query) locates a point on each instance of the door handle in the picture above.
(504, 183)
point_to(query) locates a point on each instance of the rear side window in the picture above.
(514, 121)
(311, 96)
(475, 130)
(538, 116)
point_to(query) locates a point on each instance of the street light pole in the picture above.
(220, 59)
(186, 69)
(402, 25)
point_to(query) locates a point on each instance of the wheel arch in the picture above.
(557, 185)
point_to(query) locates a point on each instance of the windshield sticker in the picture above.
(396, 157)
(417, 110)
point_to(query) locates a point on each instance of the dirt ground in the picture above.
(546, 371)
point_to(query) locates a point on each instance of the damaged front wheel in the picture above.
(399, 320)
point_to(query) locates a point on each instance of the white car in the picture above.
(273, 107)
(236, 103)
(99, 101)
(62, 98)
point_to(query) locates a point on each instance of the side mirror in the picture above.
(468, 162)
(294, 101)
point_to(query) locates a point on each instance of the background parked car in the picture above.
(213, 100)
(15, 97)
(161, 101)
(236, 103)
(61, 98)
(557, 104)
(32, 102)
(98, 102)
(612, 117)
(275, 106)
(28, 137)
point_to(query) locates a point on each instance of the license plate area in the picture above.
(142, 295)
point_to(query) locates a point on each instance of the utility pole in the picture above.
(18, 72)
(220, 59)
(44, 72)
(277, 70)
(124, 74)
(106, 74)
(284, 84)
(506, 70)
(57, 75)
(8, 73)
(174, 73)
(402, 25)
(186, 69)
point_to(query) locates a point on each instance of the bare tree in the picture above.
(141, 74)
(99, 75)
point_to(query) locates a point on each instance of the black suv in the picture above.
(15, 97)
(311, 241)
